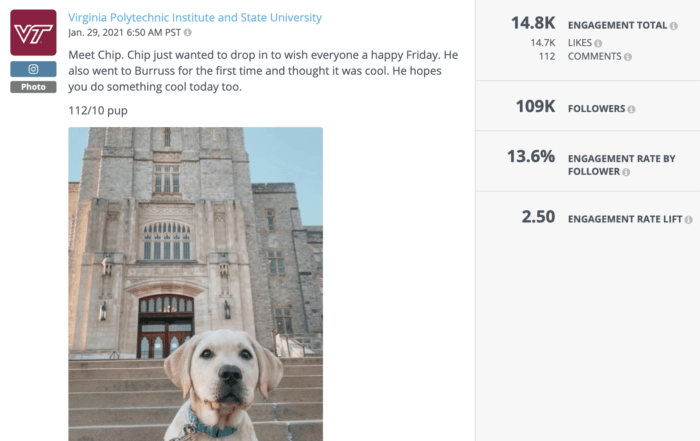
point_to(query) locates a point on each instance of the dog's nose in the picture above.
(230, 374)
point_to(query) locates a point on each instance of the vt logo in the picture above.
(33, 32)
(37, 29)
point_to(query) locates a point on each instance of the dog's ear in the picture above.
(269, 367)
(177, 365)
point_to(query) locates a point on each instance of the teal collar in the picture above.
(214, 432)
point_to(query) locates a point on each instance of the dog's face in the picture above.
(224, 368)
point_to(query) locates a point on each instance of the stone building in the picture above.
(168, 237)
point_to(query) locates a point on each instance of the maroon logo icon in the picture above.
(33, 32)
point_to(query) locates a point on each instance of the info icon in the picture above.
(33, 32)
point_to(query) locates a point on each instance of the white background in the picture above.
(399, 206)
(587, 332)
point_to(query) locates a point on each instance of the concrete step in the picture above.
(268, 431)
(164, 415)
(299, 361)
(102, 364)
(143, 385)
(166, 398)
(154, 384)
(159, 372)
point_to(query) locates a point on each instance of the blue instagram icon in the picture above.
(33, 69)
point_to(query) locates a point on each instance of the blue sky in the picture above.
(276, 155)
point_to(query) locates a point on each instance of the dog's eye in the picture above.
(207, 354)
(246, 355)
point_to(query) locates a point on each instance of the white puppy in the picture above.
(220, 370)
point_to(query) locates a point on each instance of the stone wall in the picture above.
(73, 193)
(76, 232)
(299, 288)
(315, 239)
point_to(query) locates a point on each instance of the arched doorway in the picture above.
(165, 322)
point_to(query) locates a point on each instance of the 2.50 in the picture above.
(541, 217)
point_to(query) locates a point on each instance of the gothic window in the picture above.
(165, 304)
(186, 246)
(270, 219)
(167, 178)
(275, 262)
(146, 245)
(166, 241)
(166, 246)
(166, 135)
(158, 348)
(174, 343)
(144, 348)
(318, 255)
(156, 247)
(283, 320)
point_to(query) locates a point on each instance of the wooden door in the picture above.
(176, 339)
(164, 342)
(178, 333)
(152, 345)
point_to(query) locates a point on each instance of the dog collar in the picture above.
(214, 432)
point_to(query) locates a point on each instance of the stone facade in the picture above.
(122, 196)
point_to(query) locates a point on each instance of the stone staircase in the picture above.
(133, 400)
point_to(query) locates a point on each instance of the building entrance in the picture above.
(165, 322)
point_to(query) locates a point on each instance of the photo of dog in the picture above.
(192, 268)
